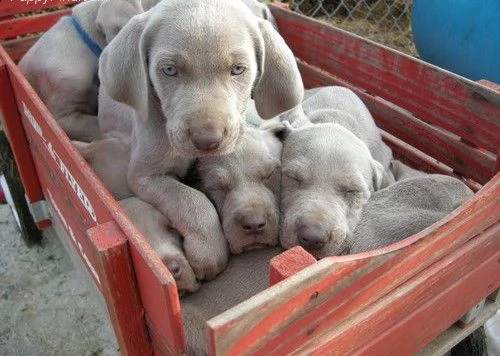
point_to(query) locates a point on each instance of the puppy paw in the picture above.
(207, 260)
(182, 272)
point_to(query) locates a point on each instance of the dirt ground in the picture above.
(47, 307)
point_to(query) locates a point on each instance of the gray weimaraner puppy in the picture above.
(244, 187)
(62, 65)
(187, 69)
(328, 174)
(246, 275)
(405, 208)
(333, 160)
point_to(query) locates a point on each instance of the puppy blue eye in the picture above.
(237, 69)
(169, 71)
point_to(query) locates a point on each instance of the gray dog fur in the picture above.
(165, 240)
(321, 206)
(244, 187)
(63, 70)
(342, 106)
(261, 10)
(405, 208)
(188, 83)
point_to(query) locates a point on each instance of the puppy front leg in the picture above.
(193, 215)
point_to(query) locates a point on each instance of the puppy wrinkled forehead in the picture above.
(190, 26)
(202, 13)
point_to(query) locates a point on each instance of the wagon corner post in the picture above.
(119, 288)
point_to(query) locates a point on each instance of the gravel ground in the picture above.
(47, 306)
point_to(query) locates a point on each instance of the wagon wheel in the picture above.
(472, 345)
(14, 194)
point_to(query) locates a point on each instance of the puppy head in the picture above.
(328, 175)
(244, 186)
(113, 15)
(193, 66)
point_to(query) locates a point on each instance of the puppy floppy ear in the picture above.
(123, 69)
(279, 86)
(378, 175)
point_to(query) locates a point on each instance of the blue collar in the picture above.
(94, 47)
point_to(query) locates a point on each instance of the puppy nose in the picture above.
(312, 236)
(175, 268)
(207, 138)
(253, 222)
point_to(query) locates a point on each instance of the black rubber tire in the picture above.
(472, 345)
(29, 231)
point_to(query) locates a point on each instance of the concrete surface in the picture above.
(47, 307)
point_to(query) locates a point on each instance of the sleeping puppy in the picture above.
(244, 186)
(405, 208)
(187, 70)
(333, 160)
(328, 175)
(70, 91)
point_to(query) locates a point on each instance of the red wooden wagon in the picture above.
(396, 300)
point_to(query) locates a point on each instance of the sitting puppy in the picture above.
(166, 241)
(246, 275)
(69, 90)
(405, 208)
(187, 70)
(244, 186)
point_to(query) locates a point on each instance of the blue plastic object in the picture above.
(462, 36)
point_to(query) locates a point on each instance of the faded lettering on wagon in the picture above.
(62, 166)
(71, 234)
(72, 182)
(33, 121)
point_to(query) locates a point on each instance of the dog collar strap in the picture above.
(94, 47)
